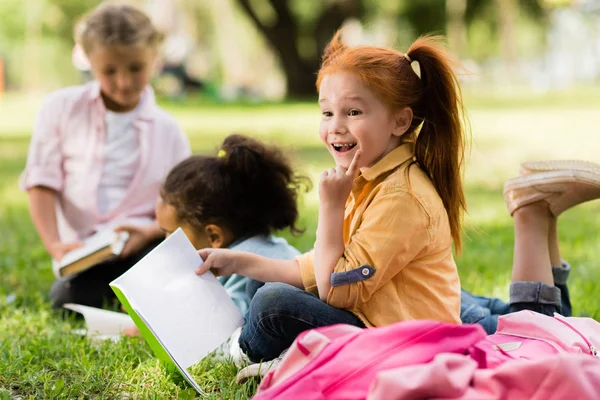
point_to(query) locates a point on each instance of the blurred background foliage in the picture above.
(270, 49)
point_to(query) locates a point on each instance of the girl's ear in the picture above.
(217, 237)
(404, 119)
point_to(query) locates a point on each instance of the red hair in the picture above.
(435, 99)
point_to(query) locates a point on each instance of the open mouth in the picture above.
(343, 147)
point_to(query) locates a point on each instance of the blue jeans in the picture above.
(279, 313)
(534, 296)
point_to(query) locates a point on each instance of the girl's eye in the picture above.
(327, 113)
(136, 68)
(354, 113)
(109, 72)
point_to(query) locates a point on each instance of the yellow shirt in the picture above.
(398, 248)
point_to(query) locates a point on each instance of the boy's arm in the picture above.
(43, 213)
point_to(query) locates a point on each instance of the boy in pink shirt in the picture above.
(100, 151)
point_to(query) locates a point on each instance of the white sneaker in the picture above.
(236, 354)
(258, 370)
(230, 351)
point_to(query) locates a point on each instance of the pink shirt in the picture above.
(66, 155)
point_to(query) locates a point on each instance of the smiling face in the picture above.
(123, 72)
(354, 118)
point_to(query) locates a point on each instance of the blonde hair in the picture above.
(116, 24)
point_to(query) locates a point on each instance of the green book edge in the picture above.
(153, 342)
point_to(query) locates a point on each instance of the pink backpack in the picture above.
(340, 361)
(527, 335)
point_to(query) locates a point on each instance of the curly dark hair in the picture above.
(249, 188)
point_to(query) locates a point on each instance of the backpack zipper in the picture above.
(593, 350)
(519, 335)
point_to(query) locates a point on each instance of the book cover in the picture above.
(99, 247)
(181, 315)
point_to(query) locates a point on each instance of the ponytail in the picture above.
(440, 143)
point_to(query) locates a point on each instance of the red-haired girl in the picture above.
(389, 211)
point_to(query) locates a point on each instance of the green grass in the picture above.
(39, 358)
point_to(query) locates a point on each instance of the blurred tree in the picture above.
(298, 33)
(433, 15)
(36, 40)
(60, 17)
(456, 26)
(453, 17)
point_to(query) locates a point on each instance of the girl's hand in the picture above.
(139, 237)
(58, 250)
(222, 262)
(336, 183)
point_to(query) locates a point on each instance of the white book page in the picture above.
(102, 324)
(190, 314)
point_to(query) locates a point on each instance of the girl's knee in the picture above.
(274, 297)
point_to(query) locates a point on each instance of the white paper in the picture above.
(191, 315)
(102, 324)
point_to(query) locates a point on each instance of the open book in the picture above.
(182, 316)
(97, 248)
(101, 324)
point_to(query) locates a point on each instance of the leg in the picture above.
(531, 261)
(533, 283)
(279, 313)
(561, 274)
(556, 186)
(252, 287)
(560, 269)
(91, 287)
(553, 248)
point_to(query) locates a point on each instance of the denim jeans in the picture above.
(279, 313)
(252, 287)
(534, 296)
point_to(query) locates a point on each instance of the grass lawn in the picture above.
(39, 358)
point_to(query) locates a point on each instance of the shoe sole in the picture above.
(557, 176)
(531, 167)
(554, 180)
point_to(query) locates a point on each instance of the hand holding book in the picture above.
(58, 250)
(139, 237)
(96, 249)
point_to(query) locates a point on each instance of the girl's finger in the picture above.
(353, 168)
(202, 269)
(204, 253)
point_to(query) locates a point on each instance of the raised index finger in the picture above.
(351, 171)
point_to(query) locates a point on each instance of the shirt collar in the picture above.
(145, 111)
(390, 161)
